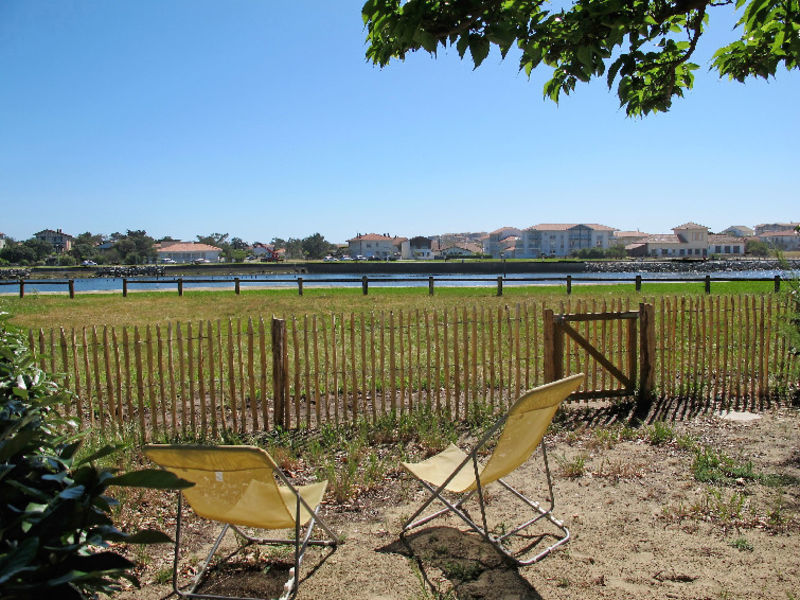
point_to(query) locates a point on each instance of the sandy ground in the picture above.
(642, 526)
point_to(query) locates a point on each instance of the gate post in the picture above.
(553, 347)
(279, 375)
(647, 345)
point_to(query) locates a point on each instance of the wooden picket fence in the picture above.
(204, 378)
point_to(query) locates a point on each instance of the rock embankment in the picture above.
(689, 266)
(14, 273)
(130, 271)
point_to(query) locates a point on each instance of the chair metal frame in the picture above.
(291, 585)
(457, 507)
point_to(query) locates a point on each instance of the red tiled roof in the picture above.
(566, 226)
(690, 225)
(662, 238)
(724, 239)
(376, 237)
(782, 233)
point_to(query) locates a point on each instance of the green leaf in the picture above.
(150, 478)
(18, 560)
(479, 49)
(101, 453)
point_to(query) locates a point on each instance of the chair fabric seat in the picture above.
(436, 469)
(236, 485)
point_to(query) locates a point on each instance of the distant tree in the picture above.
(167, 238)
(239, 244)
(616, 251)
(756, 247)
(645, 46)
(214, 239)
(316, 247)
(135, 247)
(278, 243)
(294, 248)
(17, 253)
(84, 247)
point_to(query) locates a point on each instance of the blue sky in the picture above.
(263, 119)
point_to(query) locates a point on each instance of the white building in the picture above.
(186, 252)
(561, 239)
(374, 245)
(689, 239)
(726, 244)
(783, 240)
(738, 231)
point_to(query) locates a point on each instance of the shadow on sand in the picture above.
(456, 564)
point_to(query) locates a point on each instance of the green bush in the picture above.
(55, 525)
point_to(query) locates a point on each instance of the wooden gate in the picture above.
(639, 343)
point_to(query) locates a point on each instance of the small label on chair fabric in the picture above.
(219, 475)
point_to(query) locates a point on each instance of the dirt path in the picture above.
(643, 525)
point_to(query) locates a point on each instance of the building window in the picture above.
(735, 249)
(718, 249)
(683, 252)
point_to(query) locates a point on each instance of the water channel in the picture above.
(316, 280)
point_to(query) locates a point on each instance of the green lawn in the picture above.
(143, 308)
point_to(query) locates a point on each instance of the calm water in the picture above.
(312, 281)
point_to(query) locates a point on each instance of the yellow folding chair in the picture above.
(460, 473)
(236, 486)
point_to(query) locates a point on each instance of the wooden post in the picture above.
(631, 343)
(638, 283)
(364, 285)
(430, 285)
(300, 286)
(236, 286)
(708, 284)
(777, 283)
(499, 285)
(180, 286)
(647, 343)
(279, 375)
(569, 284)
(549, 337)
(71, 284)
(21, 288)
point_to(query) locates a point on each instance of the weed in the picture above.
(728, 511)
(713, 466)
(659, 433)
(572, 468)
(742, 545)
(462, 570)
(163, 575)
(604, 438)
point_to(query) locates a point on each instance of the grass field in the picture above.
(150, 308)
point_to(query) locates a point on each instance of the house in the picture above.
(374, 245)
(787, 239)
(61, 242)
(738, 231)
(461, 250)
(2, 240)
(501, 242)
(186, 252)
(726, 244)
(562, 239)
(420, 248)
(770, 227)
(625, 238)
(689, 239)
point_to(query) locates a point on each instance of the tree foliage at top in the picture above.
(644, 46)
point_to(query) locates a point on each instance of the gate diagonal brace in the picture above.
(584, 343)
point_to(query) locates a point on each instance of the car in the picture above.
(201, 261)
(168, 261)
(88, 263)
